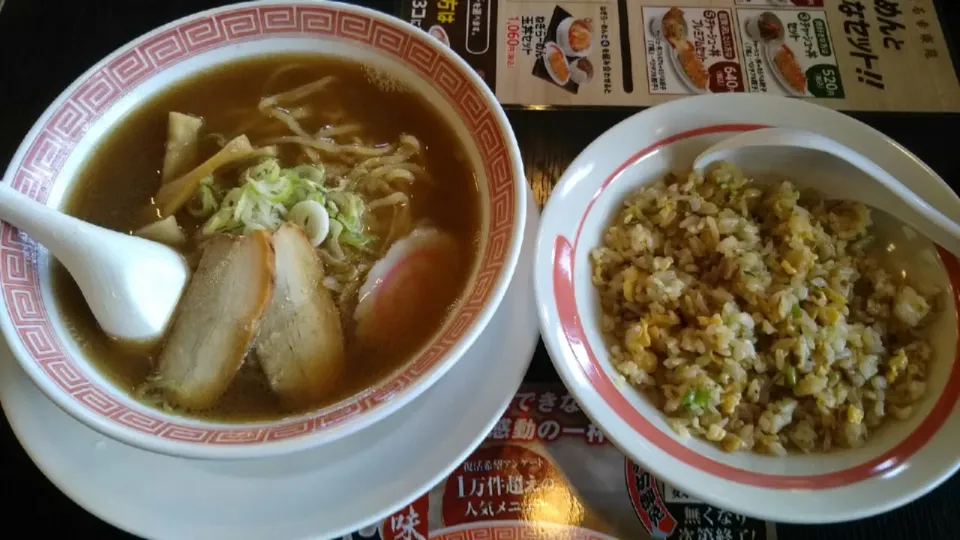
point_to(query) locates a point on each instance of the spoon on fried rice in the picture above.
(863, 180)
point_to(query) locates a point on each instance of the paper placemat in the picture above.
(545, 471)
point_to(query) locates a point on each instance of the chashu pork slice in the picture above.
(300, 344)
(216, 320)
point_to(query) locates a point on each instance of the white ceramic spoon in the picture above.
(131, 284)
(863, 181)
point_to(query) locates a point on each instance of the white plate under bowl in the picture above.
(898, 464)
(320, 493)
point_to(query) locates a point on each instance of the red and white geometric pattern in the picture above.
(36, 174)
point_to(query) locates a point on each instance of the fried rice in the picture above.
(757, 318)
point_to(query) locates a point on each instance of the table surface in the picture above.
(77, 34)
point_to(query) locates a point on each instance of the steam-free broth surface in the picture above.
(118, 186)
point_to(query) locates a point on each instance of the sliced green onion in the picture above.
(267, 195)
(262, 200)
(205, 201)
(791, 375)
(696, 400)
(312, 218)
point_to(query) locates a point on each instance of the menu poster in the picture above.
(545, 471)
(880, 55)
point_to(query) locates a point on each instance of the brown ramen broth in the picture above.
(417, 200)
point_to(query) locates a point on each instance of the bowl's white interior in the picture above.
(171, 77)
(678, 157)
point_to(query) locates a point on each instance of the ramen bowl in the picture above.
(899, 461)
(73, 127)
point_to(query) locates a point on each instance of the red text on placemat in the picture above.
(410, 523)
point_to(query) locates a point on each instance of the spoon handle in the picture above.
(132, 285)
(61, 234)
(920, 215)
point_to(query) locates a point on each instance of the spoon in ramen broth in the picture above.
(131, 284)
